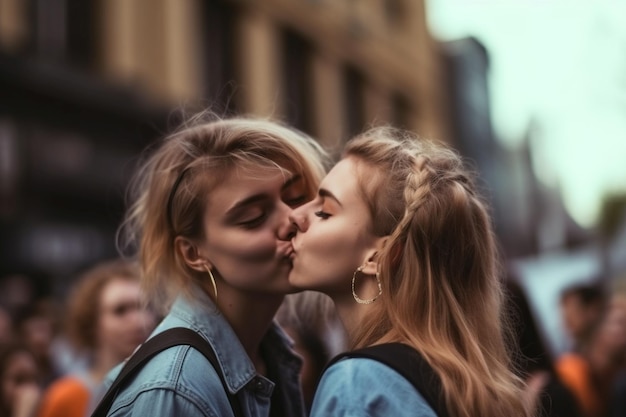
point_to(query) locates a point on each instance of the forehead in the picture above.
(119, 288)
(351, 170)
(239, 183)
(345, 169)
(344, 181)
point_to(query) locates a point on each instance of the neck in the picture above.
(350, 313)
(250, 315)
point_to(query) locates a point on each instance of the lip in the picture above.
(285, 251)
(294, 245)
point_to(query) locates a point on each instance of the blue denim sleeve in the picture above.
(161, 402)
(359, 387)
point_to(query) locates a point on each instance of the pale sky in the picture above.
(563, 64)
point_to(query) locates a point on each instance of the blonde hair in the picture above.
(169, 192)
(441, 291)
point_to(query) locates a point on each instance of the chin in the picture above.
(294, 279)
(298, 284)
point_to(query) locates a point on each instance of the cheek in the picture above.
(245, 248)
(329, 251)
(103, 330)
(332, 244)
(109, 328)
(244, 259)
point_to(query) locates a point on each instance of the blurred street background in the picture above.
(531, 92)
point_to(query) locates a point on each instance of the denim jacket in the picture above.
(361, 387)
(180, 381)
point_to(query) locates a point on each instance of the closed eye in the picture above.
(254, 223)
(296, 201)
(322, 215)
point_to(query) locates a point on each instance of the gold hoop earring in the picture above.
(212, 279)
(369, 300)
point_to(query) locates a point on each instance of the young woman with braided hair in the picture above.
(400, 240)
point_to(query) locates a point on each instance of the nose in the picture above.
(299, 218)
(287, 231)
(295, 221)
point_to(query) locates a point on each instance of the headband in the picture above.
(170, 199)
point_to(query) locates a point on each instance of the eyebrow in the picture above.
(291, 181)
(259, 197)
(323, 192)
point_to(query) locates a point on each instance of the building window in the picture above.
(82, 32)
(395, 13)
(354, 94)
(401, 111)
(65, 31)
(297, 68)
(220, 51)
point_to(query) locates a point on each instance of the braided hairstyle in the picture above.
(441, 291)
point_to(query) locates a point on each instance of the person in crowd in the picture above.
(581, 307)
(105, 322)
(309, 318)
(6, 326)
(17, 292)
(545, 392)
(618, 397)
(400, 240)
(36, 325)
(19, 381)
(210, 221)
(617, 406)
(591, 373)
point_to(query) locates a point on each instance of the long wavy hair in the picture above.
(439, 271)
(169, 191)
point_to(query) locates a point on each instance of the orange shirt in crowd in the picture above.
(574, 372)
(66, 397)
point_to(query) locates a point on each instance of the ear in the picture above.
(188, 251)
(370, 265)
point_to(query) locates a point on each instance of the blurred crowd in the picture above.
(54, 354)
(589, 379)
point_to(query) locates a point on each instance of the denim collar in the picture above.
(203, 316)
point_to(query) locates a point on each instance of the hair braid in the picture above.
(438, 269)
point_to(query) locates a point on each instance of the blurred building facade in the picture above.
(85, 85)
(529, 217)
(542, 246)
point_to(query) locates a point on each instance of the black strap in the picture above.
(410, 364)
(166, 339)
